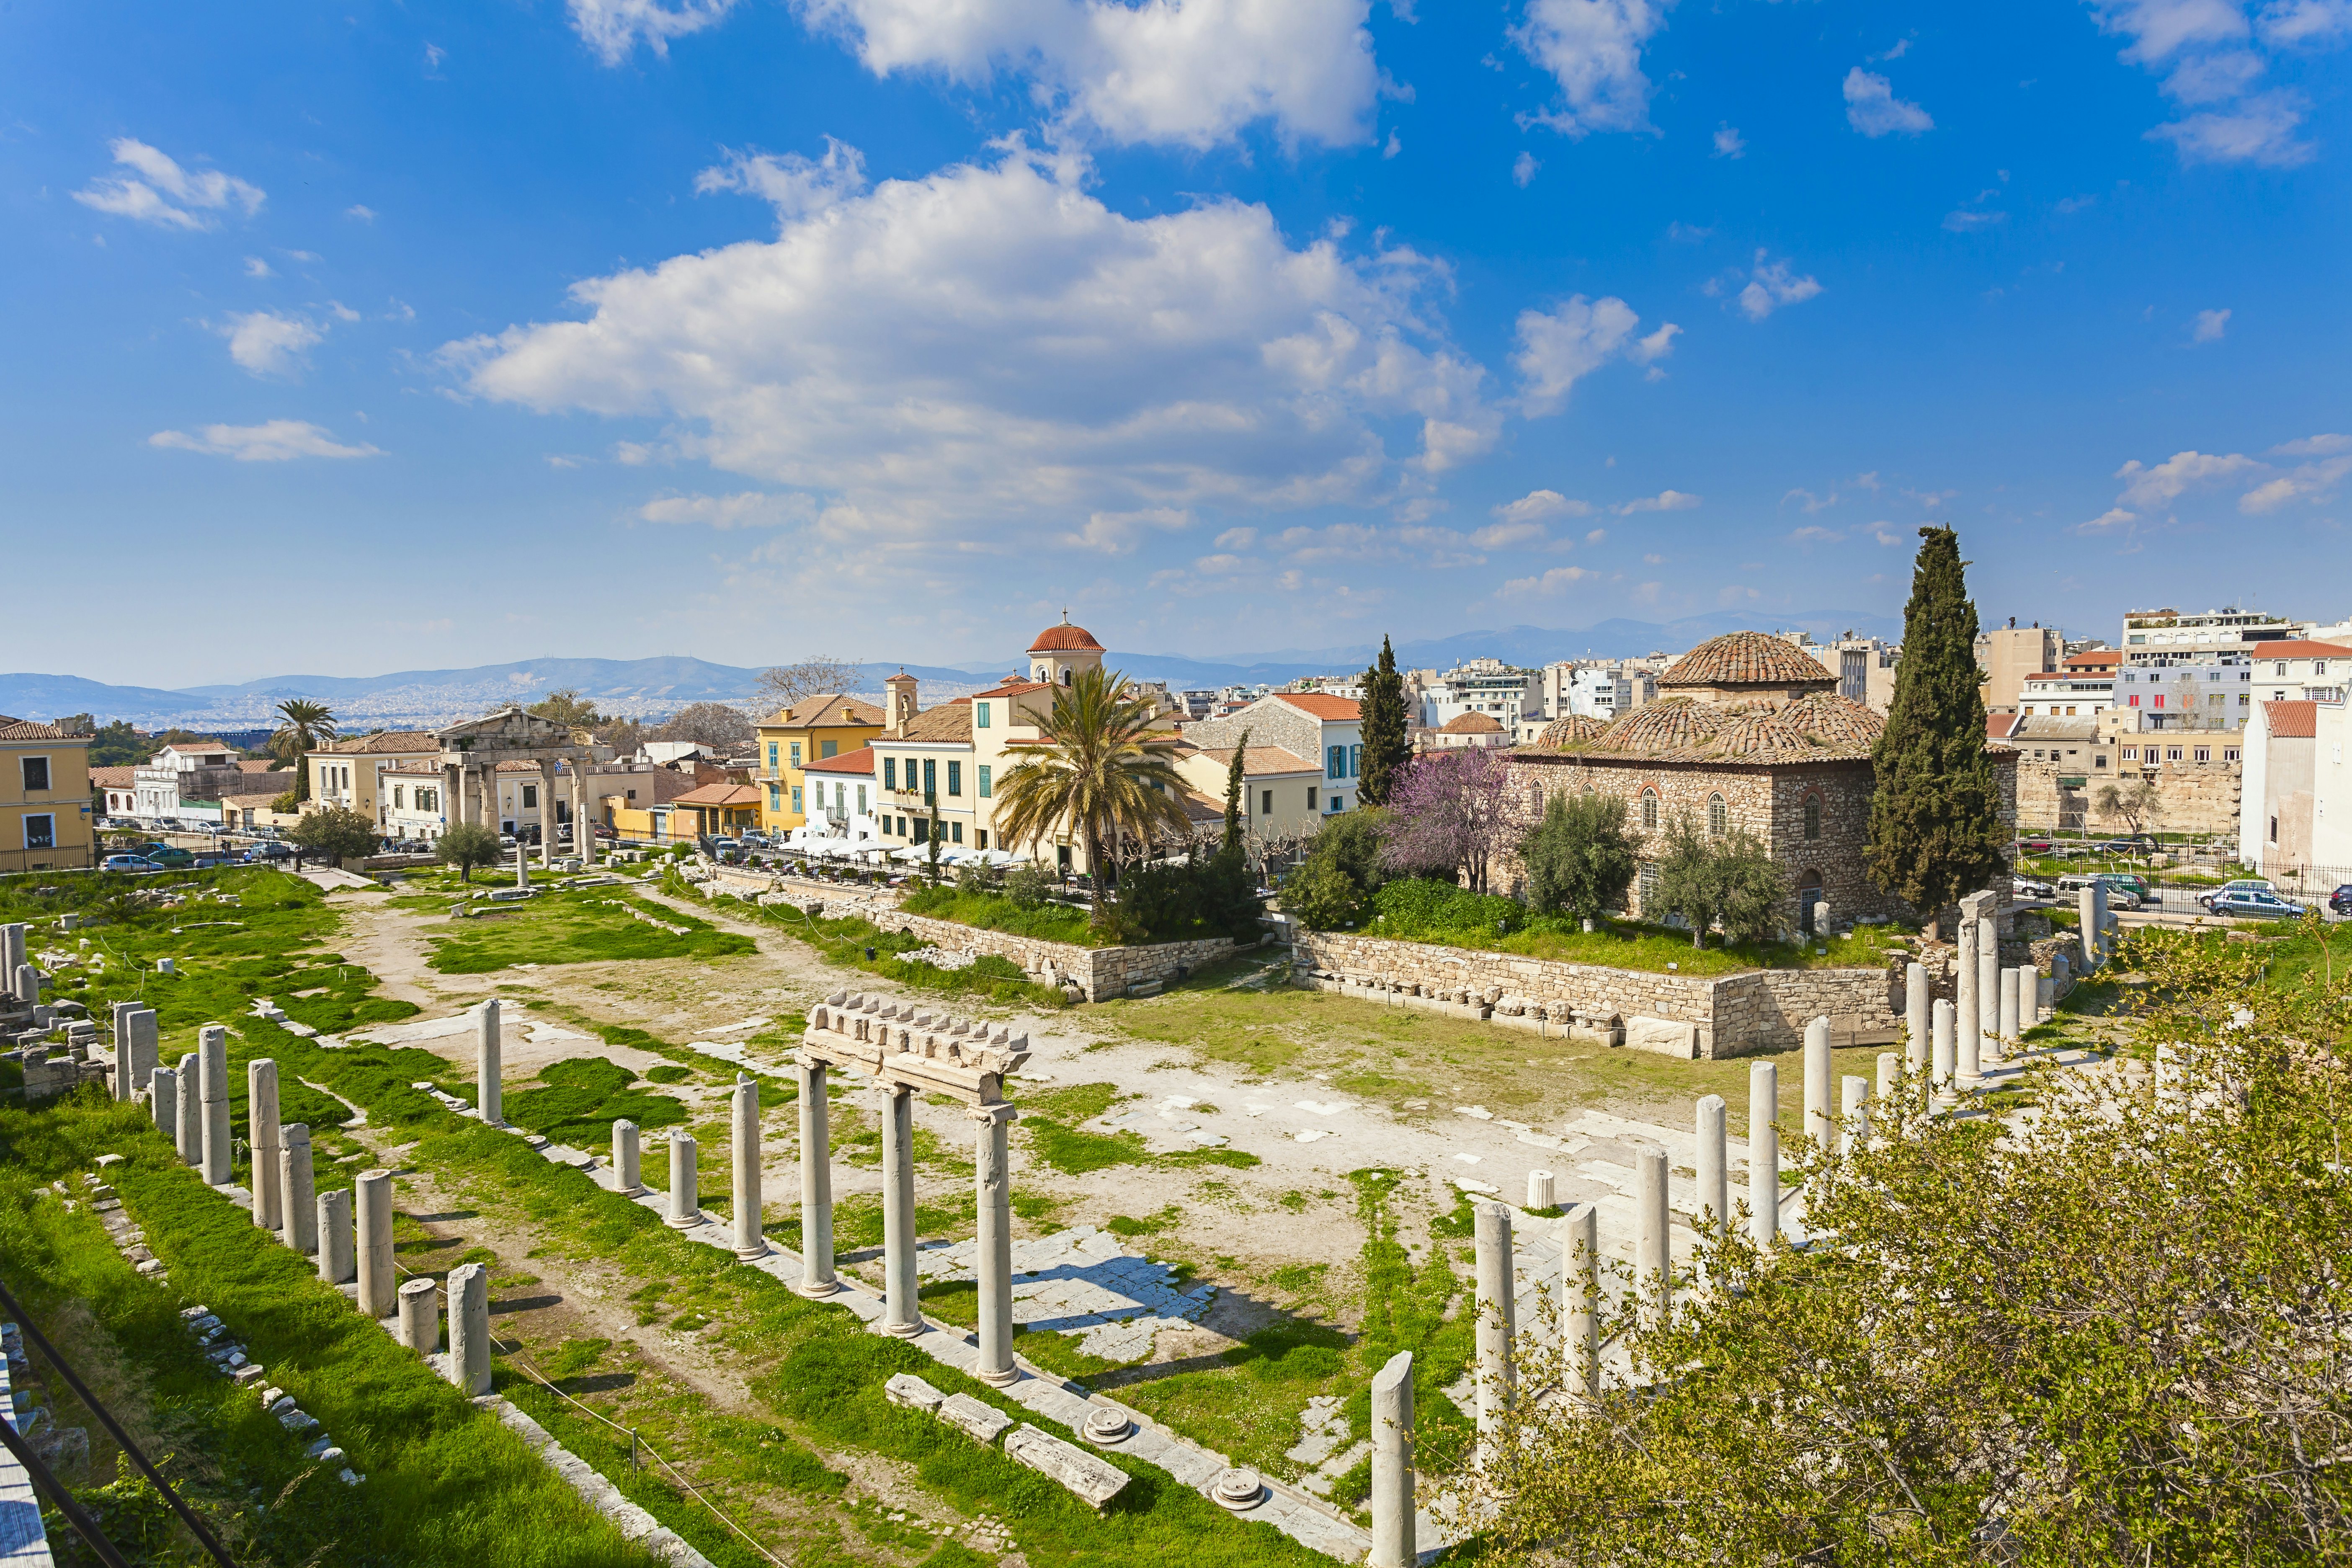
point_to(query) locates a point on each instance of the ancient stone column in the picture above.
(124, 1086)
(164, 1100)
(453, 796)
(993, 1252)
(685, 1199)
(522, 861)
(1854, 1122)
(489, 1102)
(628, 1174)
(338, 1260)
(2091, 907)
(1890, 1073)
(212, 1075)
(1394, 1538)
(469, 1328)
(547, 813)
(141, 1023)
(816, 1182)
(750, 1240)
(1916, 999)
(902, 1316)
(420, 1316)
(1988, 990)
(1947, 1027)
(1652, 1254)
(372, 1197)
(1714, 1168)
(28, 985)
(261, 1139)
(1580, 1264)
(11, 953)
(1497, 1309)
(583, 822)
(1965, 1002)
(1763, 1152)
(190, 1128)
(1821, 1109)
(2012, 1002)
(1543, 1191)
(296, 1182)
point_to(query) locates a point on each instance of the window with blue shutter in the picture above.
(955, 779)
(889, 773)
(985, 793)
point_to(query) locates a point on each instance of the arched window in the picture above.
(1649, 809)
(1065, 678)
(1812, 817)
(1718, 820)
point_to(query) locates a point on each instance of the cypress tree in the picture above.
(1236, 773)
(1934, 817)
(1386, 749)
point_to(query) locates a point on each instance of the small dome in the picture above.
(1572, 729)
(1065, 639)
(1748, 659)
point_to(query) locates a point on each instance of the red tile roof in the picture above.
(389, 741)
(1016, 688)
(1570, 729)
(2292, 721)
(1065, 639)
(1472, 724)
(827, 710)
(2301, 648)
(1262, 761)
(719, 794)
(111, 778)
(1322, 705)
(1748, 659)
(860, 761)
(34, 729)
(1823, 727)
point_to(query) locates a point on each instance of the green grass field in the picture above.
(587, 927)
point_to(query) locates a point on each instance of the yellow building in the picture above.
(811, 731)
(45, 798)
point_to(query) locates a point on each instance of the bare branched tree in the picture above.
(787, 684)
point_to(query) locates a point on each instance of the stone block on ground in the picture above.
(912, 1391)
(1665, 1036)
(1093, 1480)
(980, 1420)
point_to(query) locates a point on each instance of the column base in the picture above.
(819, 1288)
(688, 1222)
(751, 1253)
(1004, 1379)
(902, 1330)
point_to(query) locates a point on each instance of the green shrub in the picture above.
(1423, 906)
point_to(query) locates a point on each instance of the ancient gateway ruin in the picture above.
(473, 754)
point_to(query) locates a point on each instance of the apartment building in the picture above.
(44, 797)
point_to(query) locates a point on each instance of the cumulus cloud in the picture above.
(159, 191)
(2258, 129)
(2210, 326)
(1872, 108)
(1119, 532)
(1815, 534)
(1665, 500)
(2149, 487)
(1592, 49)
(1728, 142)
(613, 29)
(364, 213)
(2212, 54)
(2313, 447)
(795, 186)
(1536, 506)
(1772, 284)
(2309, 481)
(1551, 581)
(1967, 220)
(268, 344)
(278, 441)
(257, 267)
(2286, 23)
(1557, 348)
(747, 508)
(1187, 72)
(1523, 170)
(992, 342)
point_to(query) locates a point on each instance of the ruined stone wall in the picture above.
(2193, 796)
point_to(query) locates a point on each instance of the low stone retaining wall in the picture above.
(1680, 1016)
(1099, 974)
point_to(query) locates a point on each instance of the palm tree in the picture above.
(306, 724)
(1093, 773)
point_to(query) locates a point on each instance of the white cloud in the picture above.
(2313, 447)
(2307, 481)
(2149, 487)
(1772, 284)
(1886, 533)
(1119, 532)
(278, 441)
(2213, 79)
(2158, 29)
(1967, 220)
(1237, 539)
(613, 27)
(748, 509)
(257, 267)
(992, 342)
(1872, 108)
(2211, 325)
(342, 311)
(1596, 536)
(159, 191)
(1735, 594)
(1189, 72)
(1813, 533)
(1593, 50)
(2259, 129)
(1557, 348)
(364, 215)
(2286, 23)
(1551, 581)
(2108, 520)
(434, 54)
(1503, 535)
(1523, 170)
(268, 344)
(1537, 505)
(1665, 500)
(795, 186)
(1728, 144)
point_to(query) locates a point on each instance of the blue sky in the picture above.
(362, 338)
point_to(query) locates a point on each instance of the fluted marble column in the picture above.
(490, 1075)
(1763, 1152)
(993, 1177)
(750, 1240)
(1497, 1309)
(817, 1278)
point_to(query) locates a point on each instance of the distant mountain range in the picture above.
(649, 688)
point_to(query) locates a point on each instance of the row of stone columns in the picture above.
(470, 794)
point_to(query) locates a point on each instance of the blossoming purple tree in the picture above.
(1450, 814)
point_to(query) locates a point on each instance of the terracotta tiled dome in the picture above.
(1065, 639)
(1573, 730)
(1822, 727)
(1748, 659)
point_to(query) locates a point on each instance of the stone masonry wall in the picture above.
(1735, 1014)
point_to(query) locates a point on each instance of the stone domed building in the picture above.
(1748, 731)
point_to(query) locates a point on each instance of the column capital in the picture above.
(1001, 1110)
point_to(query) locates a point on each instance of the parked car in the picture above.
(2340, 900)
(2255, 904)
(2231, 890)
(2123, 885)
(128, 863)
(2130, 844)
(506, 840)
(2031, 887)
(164, 854)
(212, 858)
(270, 851)
(2034, 846)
